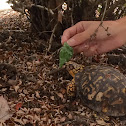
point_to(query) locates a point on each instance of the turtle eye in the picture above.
(71, 67)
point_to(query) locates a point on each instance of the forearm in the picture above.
(122, 20)
(122, 26)
(122, 29)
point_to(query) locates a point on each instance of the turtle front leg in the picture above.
(71, 89)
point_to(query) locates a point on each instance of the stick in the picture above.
(51, 38)
(45, 8)
(93, 36)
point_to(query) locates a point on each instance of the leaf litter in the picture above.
(32, 97)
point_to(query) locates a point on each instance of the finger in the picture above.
(80, 38)
(88, 48)
(81, 48)
(91, 51)
(110, 44)
(103, 46)
(70, 32)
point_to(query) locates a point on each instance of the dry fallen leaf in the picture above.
(37, 94)
(18, 106)
(16, 88)
(70, 116)
(62, 119)
(101, 122)
(19, 121)
(52, 97)
(60, 95)
(5, 113)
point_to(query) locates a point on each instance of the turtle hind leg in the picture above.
(104, 119)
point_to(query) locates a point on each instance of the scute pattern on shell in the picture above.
(103, 89)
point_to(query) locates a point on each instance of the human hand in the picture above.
(79, 36)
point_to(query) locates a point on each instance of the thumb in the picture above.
(78, 38)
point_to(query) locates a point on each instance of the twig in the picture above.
(58, 6)
(51, 38)
(45, 8)
(104, 11)
(28, 17)
(45, 32)
(93, 36)
(15, 30)
(71, 15)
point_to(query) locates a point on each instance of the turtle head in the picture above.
(73, 68)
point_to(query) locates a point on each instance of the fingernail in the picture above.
(63, 39)
(71, 42)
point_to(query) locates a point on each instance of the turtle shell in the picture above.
(103, 89)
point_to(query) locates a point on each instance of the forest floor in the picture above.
(35, 94)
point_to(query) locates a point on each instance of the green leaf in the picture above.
(66, 53)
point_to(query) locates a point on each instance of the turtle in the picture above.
(101, 88)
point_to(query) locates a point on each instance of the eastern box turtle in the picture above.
(101, 88)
